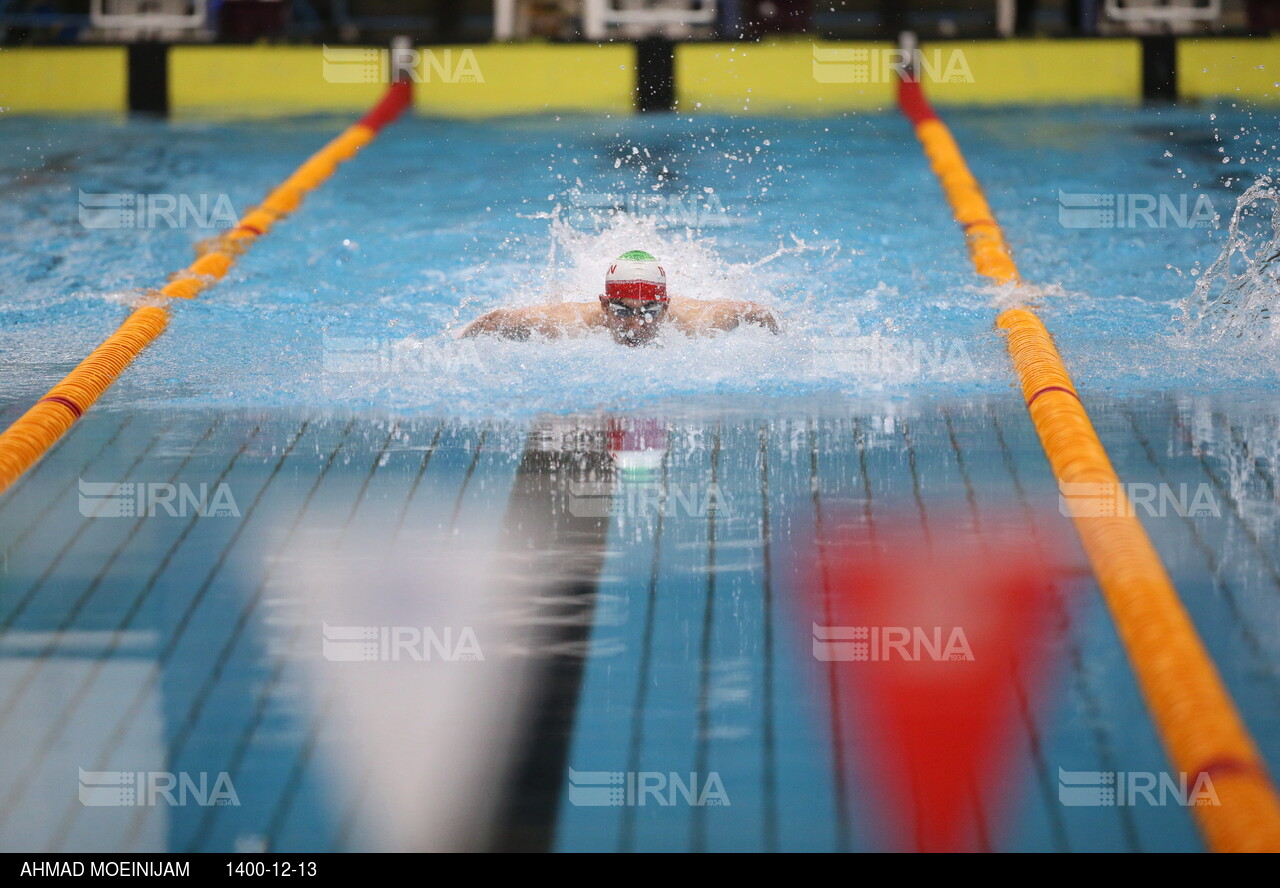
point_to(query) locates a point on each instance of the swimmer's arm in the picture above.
(508, 323)
(502, 322)
(727, 315)
(552, 321)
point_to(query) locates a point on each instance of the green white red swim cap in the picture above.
(636, 275)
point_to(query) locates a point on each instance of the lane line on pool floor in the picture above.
(1087, 686)
(37, 430)
(1197, 720)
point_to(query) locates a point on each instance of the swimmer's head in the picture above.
(636, 275)
(635, 297)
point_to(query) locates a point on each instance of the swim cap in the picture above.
(636, 275)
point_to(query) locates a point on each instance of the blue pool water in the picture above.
(836, 224)
(553, 500)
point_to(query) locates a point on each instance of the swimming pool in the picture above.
(620, 530)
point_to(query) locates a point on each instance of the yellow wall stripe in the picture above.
(1196, 718)
(453, 81)
(779, 76)
(1009, 72)
(782, 76)
(1229, 68)
(33, 433)
(531, 78)
(260, 80)
(806, 76)
(64, 80)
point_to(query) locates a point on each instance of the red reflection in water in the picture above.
(929, 641)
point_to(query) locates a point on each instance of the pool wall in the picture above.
(795, 76)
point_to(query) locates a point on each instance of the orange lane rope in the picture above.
(1198, 722)
(33, 433)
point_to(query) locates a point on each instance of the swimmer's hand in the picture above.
(760, 316)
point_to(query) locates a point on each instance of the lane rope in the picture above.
(1193, 712)
(37, 430)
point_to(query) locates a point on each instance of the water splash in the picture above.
(696, 268)
(874, 340)
(1234, 297)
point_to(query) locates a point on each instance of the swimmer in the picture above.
(634, 308)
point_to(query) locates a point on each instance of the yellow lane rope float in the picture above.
(1198, 722)
(33, 433)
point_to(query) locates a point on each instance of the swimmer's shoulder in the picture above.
(687, 312)
(569, 316)
(562, 318)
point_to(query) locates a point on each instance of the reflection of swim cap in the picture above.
(636, 275)
(637, 446)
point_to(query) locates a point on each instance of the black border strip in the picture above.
(538, 526)
(149, 78)
(655, 74)
(1160, 67)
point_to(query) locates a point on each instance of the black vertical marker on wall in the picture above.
(1160, 67)
(149, 78)
(655, 74)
